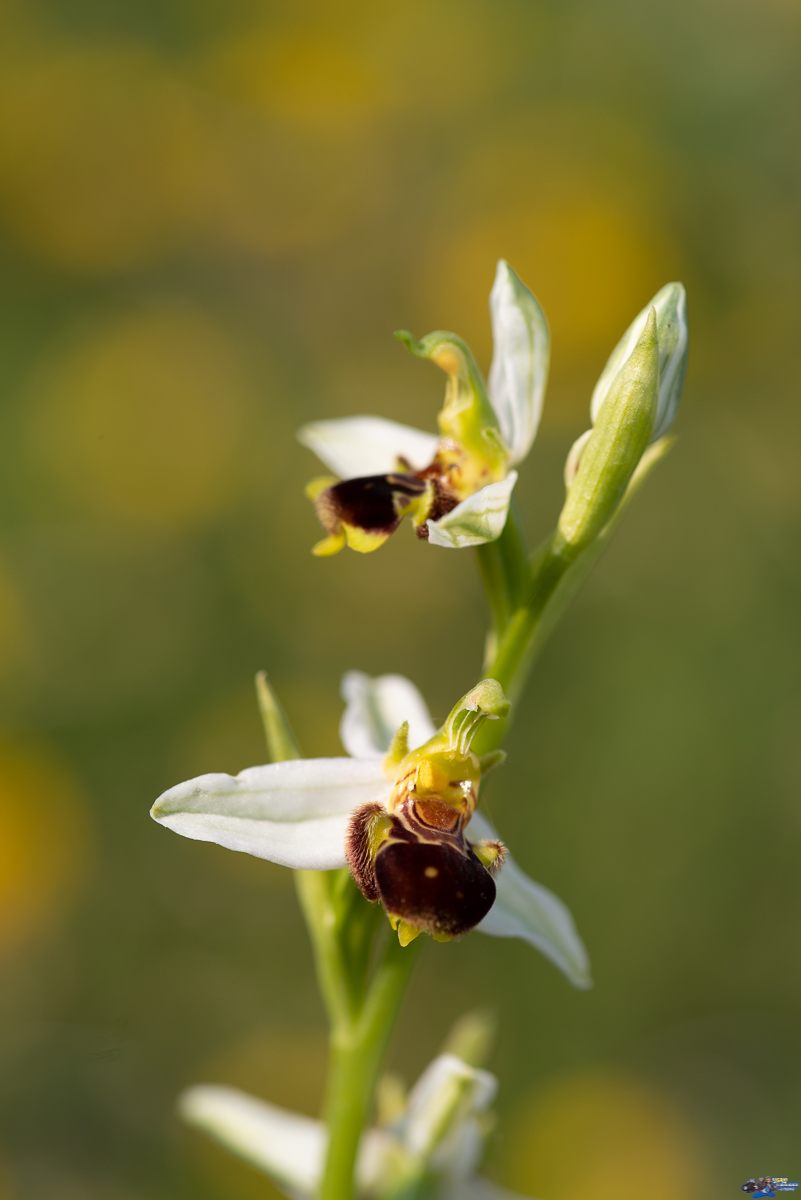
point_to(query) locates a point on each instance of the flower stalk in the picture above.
(362, 1006)
(401, 810)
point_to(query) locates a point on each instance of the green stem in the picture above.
(510, 660)
(362, 1008)
(505, 570)
(357, 1050)
(362, 1005)
(554, 579)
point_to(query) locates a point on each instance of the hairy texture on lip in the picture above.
(434, 886)
(370, 503)
(443, 500)
(499, 850)
(358, 851)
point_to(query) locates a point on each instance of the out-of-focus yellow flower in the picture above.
(601, 1136)
(100, 155)
(146, 420)
(45, 844)
(302, 77)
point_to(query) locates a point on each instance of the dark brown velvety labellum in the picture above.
(433, 885)
(370, 503)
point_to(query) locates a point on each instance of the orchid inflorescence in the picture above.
(394, 827)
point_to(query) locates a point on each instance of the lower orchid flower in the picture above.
(434, 1137)
(456, 487)
(401, 813)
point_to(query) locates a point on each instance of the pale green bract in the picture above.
(296, 814)
(439, 1136)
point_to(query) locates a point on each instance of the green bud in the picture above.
(622, 431)
(670, 303)
(467, 418)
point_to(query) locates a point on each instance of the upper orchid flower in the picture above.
(401, 813)
(456, 487)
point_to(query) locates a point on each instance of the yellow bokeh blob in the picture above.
(571, 198)
(17, 637)
(146, 420)
(591, 265)
(100, 155)
(45, 844)
(597, 1135)
(302, 77)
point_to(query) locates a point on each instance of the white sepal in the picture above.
(356, 446)
(670, 303)
(527, 910)
(375, 708)
(478, 519)
(519, 370)
(284, 1145)
(293, 813)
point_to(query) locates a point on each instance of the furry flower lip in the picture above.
(299, 813)
(456, 488)
(412, 853)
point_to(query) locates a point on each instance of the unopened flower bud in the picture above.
(622, 431)
(670, 304)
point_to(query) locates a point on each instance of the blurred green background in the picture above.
(213, 214)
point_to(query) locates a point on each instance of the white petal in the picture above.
(480, 518)
(670, 303)
(527, 910)
(293, 813)
(375, 710)
(355, 446)
(519, 370)
(448, 1093)
(284, 1145)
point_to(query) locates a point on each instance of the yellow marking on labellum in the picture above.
(362, 540)
(378, 829)
(316, 487)
(407, 933)
(431, 872)
(330, 545)
(442, 937)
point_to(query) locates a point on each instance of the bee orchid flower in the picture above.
(457, 486)
(400, 812)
